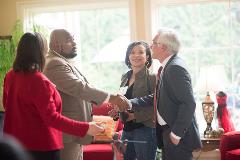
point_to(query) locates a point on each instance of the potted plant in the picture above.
(8, 46)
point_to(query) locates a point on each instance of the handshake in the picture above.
(123, 105)
(120, 102)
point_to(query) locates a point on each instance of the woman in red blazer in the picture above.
(33, 105)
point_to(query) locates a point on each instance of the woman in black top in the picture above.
(138, 82)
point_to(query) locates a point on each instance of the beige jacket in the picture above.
(76, 93)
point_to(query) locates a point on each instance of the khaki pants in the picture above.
(72, 151)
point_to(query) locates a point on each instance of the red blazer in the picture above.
(33, 112)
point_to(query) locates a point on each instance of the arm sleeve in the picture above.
(181, 86)
(145, 101)
(62, 75)
(46, 106)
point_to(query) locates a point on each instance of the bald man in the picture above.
(76, 93)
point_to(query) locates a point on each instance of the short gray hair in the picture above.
(169, 38)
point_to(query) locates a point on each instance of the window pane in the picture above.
(210, 36)
(93, 29)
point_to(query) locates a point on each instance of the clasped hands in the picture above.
(119, 102)
(126, 116)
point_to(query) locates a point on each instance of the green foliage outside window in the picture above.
(8, 50)
(210, 34)
(102, 27)
(7, 53)
(92, 30)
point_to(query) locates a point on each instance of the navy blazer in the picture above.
(175, 102)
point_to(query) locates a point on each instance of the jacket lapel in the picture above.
(163, 71)
(160, 81)
(85, 79)
(72, 67)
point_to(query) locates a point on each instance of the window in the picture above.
(101, 33)
(210, 36)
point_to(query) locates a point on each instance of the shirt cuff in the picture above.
(130, 105)
(107, 99)
(175, 136)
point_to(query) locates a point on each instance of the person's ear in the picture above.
(147, 57)
(58, 47)
(164, 47)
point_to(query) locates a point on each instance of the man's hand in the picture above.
(174, 140)
(114, 114)
(121, 102)
(95, 129)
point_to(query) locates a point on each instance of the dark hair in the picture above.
(30, 53)
(221, 94)
(129, 51)
(11, 149)
(221, 103)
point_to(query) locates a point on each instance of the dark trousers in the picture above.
(48, 155)
(169, 150)
(1, 122)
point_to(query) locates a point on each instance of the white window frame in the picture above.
(27, 10)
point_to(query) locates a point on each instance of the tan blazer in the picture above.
(75, 91)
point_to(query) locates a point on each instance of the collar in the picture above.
(62, 56)
(57, 54)
(139, 74)
(166, 60)
(127, 75)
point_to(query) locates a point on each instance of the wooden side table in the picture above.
(210, 144)
(209, 151)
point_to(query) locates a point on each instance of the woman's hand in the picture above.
(95, 128)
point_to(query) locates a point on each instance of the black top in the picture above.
(130, 125)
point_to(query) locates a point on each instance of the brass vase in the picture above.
(208, 113)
